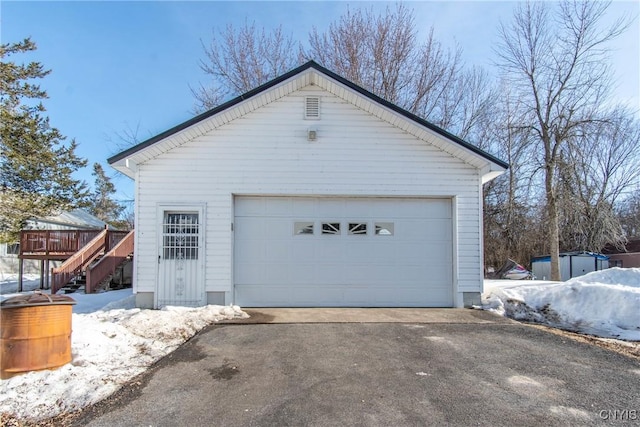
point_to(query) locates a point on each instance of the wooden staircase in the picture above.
(94, 263)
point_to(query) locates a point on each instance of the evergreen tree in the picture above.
(104, 207)
(36, 165)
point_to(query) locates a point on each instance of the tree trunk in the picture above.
(554, 229)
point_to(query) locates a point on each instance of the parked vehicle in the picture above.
(511, 270)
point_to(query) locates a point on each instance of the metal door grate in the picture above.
(180, 276)
(180, 236)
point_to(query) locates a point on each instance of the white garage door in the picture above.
(340, 252)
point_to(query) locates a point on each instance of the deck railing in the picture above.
(47, 244)
(62, 275)
(107, 265)
(115, 237)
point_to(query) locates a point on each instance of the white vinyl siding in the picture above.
(266, 152)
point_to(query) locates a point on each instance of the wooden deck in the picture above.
(60, 244)
(77, 248)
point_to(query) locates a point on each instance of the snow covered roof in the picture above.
(74, 219)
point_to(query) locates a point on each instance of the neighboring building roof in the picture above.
(126, 161)
(632, 246)
(545, 258)
(77, 218)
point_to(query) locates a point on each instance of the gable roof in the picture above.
(308, 73)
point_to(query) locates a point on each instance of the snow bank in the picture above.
(88, 303)
(109, 348)
(603, 303)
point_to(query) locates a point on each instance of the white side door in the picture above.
(181, 257)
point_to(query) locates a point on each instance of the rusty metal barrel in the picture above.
(35, 333)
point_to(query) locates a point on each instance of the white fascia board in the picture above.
(491, 171)
(126, 167)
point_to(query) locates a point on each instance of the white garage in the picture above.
(364, 252)
(308, 191)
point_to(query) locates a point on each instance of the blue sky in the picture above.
(118, 65)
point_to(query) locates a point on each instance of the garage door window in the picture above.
(330, 228)
(303, 228)
(384, 229)
(358, 228)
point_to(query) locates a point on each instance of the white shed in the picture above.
(308, 191)
(572, 264)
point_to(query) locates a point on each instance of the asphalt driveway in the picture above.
(379, 374)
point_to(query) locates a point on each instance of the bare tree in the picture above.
(382, 53)
(601, 165)
(556, 61)
(241, 59)
(377, 52)
(511, 217)
(628, 212)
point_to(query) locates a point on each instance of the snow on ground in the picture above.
(9, 283)
(604, 303)
(111, 342)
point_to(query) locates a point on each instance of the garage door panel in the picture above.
(411, 266)
(412, 253)
(358, 273)
(440, 275)
(250, 206)
(359, 208)
(276, 273)
(331, 274)
(361, 251)
(281, 227)
(303, 274)
(331, 252)
(424, 230)
(382, 253)
(278, 207)
(276, 251)
(317, 295)
(251, 251)
(249, 273)
(260, 296)
(303, 250)
(328, 208)
(354, 296)
(384, 275)
(438, 230)
(250, 228)
(420, 253)
(440, 209)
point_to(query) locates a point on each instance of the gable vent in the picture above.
(312, 107)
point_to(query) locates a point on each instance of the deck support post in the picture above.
(20, 270)
(46, 273)
(41, 286)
